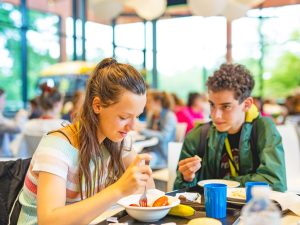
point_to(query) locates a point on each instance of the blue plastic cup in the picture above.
(250, 185)
(215, 200)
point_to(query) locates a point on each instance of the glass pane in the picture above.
(43, 22)
(186, 56)
(98, 41)
(43, 50)
(133, 57)
(10, 67)
(130, 35)
(246, 47)
(9, 15)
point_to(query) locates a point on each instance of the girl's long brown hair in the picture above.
(108, 81)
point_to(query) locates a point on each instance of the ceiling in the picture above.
(176, 8)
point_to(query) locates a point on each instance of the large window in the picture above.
(42, 49)
(10, 48)
(268, 44)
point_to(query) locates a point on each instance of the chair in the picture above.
(168, 175)
(180, 131)
(32, 143)
(290, 142)
(25, 145)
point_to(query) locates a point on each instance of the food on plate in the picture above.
(239, 193)
(182, 210)
(134, 205)
(161, 201)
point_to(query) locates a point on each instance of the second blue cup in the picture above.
(215, 200)
(249, 186)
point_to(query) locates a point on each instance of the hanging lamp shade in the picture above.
(107, 9)
(148, 9)
(235, 10)
(250, 2)
(206, 7)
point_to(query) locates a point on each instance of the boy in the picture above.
(228, 152)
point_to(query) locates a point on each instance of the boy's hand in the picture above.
(189, 166)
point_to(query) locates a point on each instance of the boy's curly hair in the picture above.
(232, 77)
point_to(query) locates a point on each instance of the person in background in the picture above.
(79, 171)
(34, 111)
(50, 102)
(231, 152)
(77, 102)
(258, 102)
(9, 127)
(192, 113)
(178, 103)
(161, 123)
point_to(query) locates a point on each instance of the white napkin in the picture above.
(195, 197)
(287, 200)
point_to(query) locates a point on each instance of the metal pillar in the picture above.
(74, 16)
(113, 26)
(24, 56)
(145, 45)
(261, 58)
(83, 21)
(154, 48)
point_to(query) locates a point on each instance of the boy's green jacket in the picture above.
(269, 147)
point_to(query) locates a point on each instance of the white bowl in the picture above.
(147, 214)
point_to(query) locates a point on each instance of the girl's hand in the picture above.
(135, 176)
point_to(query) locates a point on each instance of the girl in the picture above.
(80, 170)
(51, 102)
(161, 123)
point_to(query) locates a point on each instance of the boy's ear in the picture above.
(248, 103)
(96, 104)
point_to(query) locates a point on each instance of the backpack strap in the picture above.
(253, 142)
(63, 133)
(253, 145)
(203, 139)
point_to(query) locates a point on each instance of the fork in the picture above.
(143, 199)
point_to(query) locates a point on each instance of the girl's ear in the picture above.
(248, 103)
(96, 104)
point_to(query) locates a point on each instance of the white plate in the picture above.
(236, 195)
(229, 183)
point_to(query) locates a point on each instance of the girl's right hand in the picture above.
(135, 176)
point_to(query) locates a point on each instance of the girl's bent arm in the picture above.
(51, 199)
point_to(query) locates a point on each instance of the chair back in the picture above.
(32, 142)
(180, 131)
(290, 142)
(174, 149)
(12, 176)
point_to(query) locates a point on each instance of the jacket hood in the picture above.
(251, 114)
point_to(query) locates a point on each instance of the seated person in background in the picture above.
(77, 102)
(35, 110)
(178, 103)
(9, 127)
(192, 113)
(229, 153)
(161, 123)
(51, 102)
(81, 170)
(258, 102)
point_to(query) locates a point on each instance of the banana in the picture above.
(182, 210)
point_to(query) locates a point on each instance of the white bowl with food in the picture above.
(150, 213)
